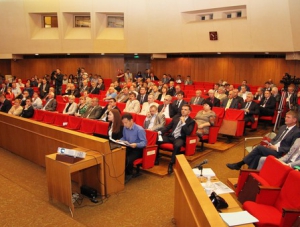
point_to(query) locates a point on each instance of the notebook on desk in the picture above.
(114, 145)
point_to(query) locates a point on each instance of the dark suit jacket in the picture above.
(215, 103)
(199, 102)
(288, 139)
(270, 104)
(101, 87)
(5, 106)
(233, 105)
(176, 108)
(51, 106)
(186, 130)
(42, 92)
(83, 89)
(171, 110)
(171, 91)
(104, 110)
(253, 110)
(76, 93)
(27, 113)
(144, 100)
(159, 97)
(154, 78)
(94, 91)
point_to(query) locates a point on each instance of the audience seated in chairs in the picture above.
(142, 97)
(71, 106)
(197, 100)
(250, 108)
(291, 98)
(9, 95)
(276, 94)
(177, 104)
(212, 99)
(123, 95)
(111, 93)
(50, 103)
(259, 94)
(239, 99)
(132, 105)
(166, 108)
(81, 107)
(36, 101)
(163, 94)
(28, 110)
(16, 109)
(204, 119)
(5, 104)
(94, 110)
(278, 146)
(221, 94)
(146, 105)
(154, 121)
(182, 125)
(135, 138)
(267, 105)
(230, 102)
(112, 104)
(292, 158)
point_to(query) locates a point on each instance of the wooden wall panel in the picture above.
(5, 67)
(105, 66)
(230, 68)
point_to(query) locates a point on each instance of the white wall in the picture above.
(150, 27)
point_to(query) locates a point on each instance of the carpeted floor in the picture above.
(146, 200)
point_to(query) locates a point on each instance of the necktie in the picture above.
(265, 101)
(142, 99)
(247, 105)
(163, 109)
(91, 109)
(282, 136)
(196, 101)
(177, 130)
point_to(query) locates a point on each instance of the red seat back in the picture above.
(121, 106)
(87, 126)
(139, 119)
(39, 115)
(49, 117)
(151, 137)
(60, 119)
(74, 123)
(101, 128)
(60, 107)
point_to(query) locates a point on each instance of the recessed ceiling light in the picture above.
(68, 53)
(102, 53)
(219, 53)
(136, 54)
(36, 54)
(266, 52)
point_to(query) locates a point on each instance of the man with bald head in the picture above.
(197, 100)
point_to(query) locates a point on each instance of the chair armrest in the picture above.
(244, 173)
(213, 134)
(253, 138)
(250, 170)
(149, 154)
(289, 217)
(190, 145)
(267, 195)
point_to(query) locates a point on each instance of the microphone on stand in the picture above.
(205, 161)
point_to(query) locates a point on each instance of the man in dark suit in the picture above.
(230, 102)
(73, 91)
(5, 104)
(171, 90)
(278, 146)
(101, 85)
(177, 104)
(153, 77)
(239, 99)
(142, 96)
(182, 126)
(94, 110)
(167, 108)
(197, 100)
(259, 94)
(93, 89)
(44, 89)
(28, 110)
(112, 104)
(250, 108)
(267, 105)
(212, 99)
(84, 87)
(58, 77)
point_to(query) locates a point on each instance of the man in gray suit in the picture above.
(154, 121)
(94, 111)
(292, 158)
(51, 103)
(197, 100)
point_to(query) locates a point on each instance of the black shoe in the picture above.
(128, 178)
(253, 130)
(170, 168)
(233, 166)
(156, 162)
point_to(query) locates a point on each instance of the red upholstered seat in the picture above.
(149, 153)
(39, 115)
(277, 207)
(60, 119)
(49, 117)
(132, 114)
(101, 128)
(87, 126)
(196, 108)
(139, 119)
(190, 144)
(220, 112)
(121, 106)
(236, 116)
(74, 123)
(60, 107)
(255, 123)
(249, 180)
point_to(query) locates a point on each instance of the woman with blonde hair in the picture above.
(16, 109)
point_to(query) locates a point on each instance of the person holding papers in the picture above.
(115, 128)
(279, 146)
(134, 137)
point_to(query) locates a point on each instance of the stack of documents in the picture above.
(238, 218)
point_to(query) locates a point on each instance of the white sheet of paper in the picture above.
(160, 138)
(238, 218)
(206, 172)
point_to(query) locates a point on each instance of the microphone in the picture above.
(205, 161)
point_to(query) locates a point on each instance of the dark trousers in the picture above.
(253, 157)
(177, 144)
(266, 112)
(131, 155)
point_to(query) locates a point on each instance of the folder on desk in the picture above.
(238, 218)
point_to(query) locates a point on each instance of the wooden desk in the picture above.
(59, 176)
(192, 207)
(34, 140)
